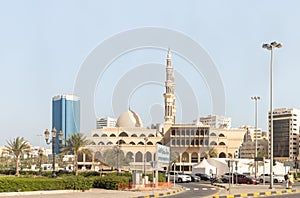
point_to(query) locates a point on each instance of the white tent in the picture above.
(204, 167)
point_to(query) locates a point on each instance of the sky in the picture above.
(54, 47)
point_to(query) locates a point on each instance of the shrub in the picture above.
(110, 181)
(17, 184)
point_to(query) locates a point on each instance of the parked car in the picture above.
(239, 178)
(247, 179)
(267, 177)
(180, 177)
(195, 178)
(203, 176)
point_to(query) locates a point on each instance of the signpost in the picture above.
(162, 158)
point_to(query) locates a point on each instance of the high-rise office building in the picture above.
(286, 123)
(65, 115)
(106, 122)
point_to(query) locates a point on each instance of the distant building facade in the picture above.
(105, 122)
(216, 121)
(286, 124)
(65, 115)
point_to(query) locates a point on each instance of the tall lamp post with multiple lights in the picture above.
(53, 142)
(256, 98)
(271, 48)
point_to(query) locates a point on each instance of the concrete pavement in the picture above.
(93, 193)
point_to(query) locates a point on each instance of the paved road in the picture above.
(196, 190)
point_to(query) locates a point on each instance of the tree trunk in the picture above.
(17, 166)
(76, 163)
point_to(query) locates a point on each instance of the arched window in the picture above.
(221, 135)
(148, 156)
(193, 142)
(185, 157)
(222, 155)
(182, 132)
(141, 143)
(142, 135)
(213, 134)
(222, 143)
(131, 143)
(213, 143)
(173, 142)
(103, 135)
(192, 132)
(101, 143)
(123, 134)
(112, 135)
(129, 156)
(182, 142)
(173, 132)
(93, 143)
(188, 132)
(133, 135)
(149, 143)
(187, 142)
(95, 135)
(206, 142)
(121, 142)
(150, 135)
(197, 132)
(206, 132)
(202, 132)
(194, 157)
(109, 143)
(139, 157)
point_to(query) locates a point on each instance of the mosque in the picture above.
(133, 146)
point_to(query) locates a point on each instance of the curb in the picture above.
(161, 194)
(256, 194)
(219, 185)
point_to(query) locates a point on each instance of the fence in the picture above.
(143, 186)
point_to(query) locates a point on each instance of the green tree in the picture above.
(76, 143)
(17, 147)
(115, 157)
(212, 152)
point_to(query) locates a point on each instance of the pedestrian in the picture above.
(286, 177)
(290, 181)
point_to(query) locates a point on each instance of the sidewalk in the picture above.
(93, 193)
(250, 190)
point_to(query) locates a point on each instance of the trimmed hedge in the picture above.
(110, 181)
(19, 184)
(83, 182)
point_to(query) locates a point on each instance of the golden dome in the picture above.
(129, 119)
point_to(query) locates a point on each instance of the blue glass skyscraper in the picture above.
(65, 116)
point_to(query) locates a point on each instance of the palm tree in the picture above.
(76, 143)
(17, 147)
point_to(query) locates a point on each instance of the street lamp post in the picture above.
(183, 160)
(53, 142)
(255, 160)
(271, 48)
(40, 152)
(146, 139)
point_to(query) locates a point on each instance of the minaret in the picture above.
(169, 95)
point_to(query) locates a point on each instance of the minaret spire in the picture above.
(169, 95)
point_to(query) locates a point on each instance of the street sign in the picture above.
(257, 159)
